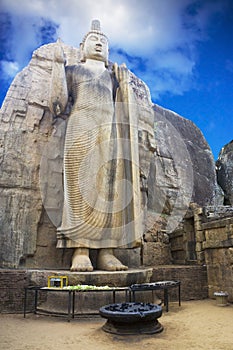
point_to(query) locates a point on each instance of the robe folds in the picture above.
(102, 200)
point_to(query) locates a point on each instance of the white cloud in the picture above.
(164, 34)
(9, 69)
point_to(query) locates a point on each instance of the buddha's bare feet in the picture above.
(81, 260)
(107, 261)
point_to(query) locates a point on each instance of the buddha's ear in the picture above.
(106, 62)
(82, 55)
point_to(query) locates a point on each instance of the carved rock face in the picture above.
(225, 172)
(96, 47)
(28, 235)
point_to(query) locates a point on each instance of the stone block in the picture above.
(217, 234)
(200, 257)
(200, 237)
(199, 247)
(156, 253)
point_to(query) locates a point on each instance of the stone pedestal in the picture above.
(96, 277)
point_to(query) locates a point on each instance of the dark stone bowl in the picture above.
(131, 318)
(131, 312)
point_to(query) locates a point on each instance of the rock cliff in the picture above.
(31, 156)
(224, 166)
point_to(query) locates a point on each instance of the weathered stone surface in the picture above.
(219, 212)
(31, 158)
(218, 233)
(193, 280)
(26, 127)
(186, 160)
(156, 248)
(98, 278)
(225, 172)
(12, 284)
(156, 253)
(183, 243)
(217, 246)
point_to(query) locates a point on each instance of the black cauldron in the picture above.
(131, 318)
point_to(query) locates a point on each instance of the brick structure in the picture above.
(207, 242)
(193, 280)
(12, 284)
(214, 245)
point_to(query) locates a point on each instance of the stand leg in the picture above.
(166, 298)
(128, 295)
(73, 304)
(25, 302)
(35, 301)
(179, 296)
(69, 305)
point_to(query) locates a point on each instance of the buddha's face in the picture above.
(96, 47)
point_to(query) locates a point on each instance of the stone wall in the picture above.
(193, 280)
(183, 241)
(12, 284)
(214, 245)
(205, 238)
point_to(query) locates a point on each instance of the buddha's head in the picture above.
(95, 44)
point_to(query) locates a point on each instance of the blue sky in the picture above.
(182, 49)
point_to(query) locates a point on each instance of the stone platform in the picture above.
(86, 303)
(97, 277)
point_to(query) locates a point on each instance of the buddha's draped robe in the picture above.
(102, 206)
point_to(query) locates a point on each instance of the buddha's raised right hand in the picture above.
(58, 93)
(59, 56)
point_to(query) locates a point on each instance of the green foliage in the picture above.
(85, 287)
